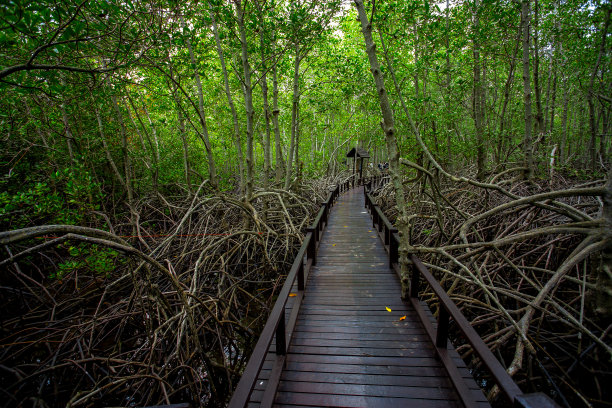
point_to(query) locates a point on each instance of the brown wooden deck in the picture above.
(347, 349)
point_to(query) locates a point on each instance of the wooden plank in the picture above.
(308, 308)
(429, 371)
(414, 342)
(363, 315)
(358, 330)
(366, 360)
(367, 379)
(394, 323)
(424, 351)
(362, 337)
(325, 400)
(435, 392)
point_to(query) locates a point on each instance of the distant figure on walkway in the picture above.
(383, 167)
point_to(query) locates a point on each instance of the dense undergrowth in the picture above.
(527, 273)
(160, 303)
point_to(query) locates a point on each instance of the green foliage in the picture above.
(90, 259)
(66, 197)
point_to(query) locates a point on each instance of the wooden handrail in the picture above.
(275, 325)
(449, 310)
(502, 378)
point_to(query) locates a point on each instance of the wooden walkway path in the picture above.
(356, 343)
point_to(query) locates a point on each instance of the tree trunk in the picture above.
(389, 129)
(551, 121)
(447, 96)
(153, 131)
(604, 133)
(294, 113)
(562, 147)
(127, 166)
(527, 139)
(278, 151)
(548, 91)
(153, 164)
(503, 138)
(478, 108)
(230, 101)
(39, 132)
(109, 156)
(536, 74)
(267, 114)
(248, 101)
(67, 132)
(182, 132)
(212, 171)
(590, 98)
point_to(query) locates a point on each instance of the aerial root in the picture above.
(521, 262)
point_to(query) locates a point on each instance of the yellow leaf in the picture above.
(402, 318)
(292, 294)
(345, 226)
(388, 308)
(333, 244)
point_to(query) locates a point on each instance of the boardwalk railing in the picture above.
(276, 325)
(448, 310)
(370, 181)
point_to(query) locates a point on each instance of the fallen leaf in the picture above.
(333, 244)
(345, 226)
(402, 318)
(388, 308)
(292, 294)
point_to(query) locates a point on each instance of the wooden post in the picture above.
(442, 330)
(301, 277)
(281, 339)
(354, 165)
(312, 245)
(361, 167)
(414, 282)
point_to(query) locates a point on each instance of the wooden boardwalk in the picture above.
(356, 343)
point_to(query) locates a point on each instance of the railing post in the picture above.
(281, 340)
(300, 276)
(414, 282)
(374, 215)
(393, 248)
(312, 245)
(442, 331)
(324, 217)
